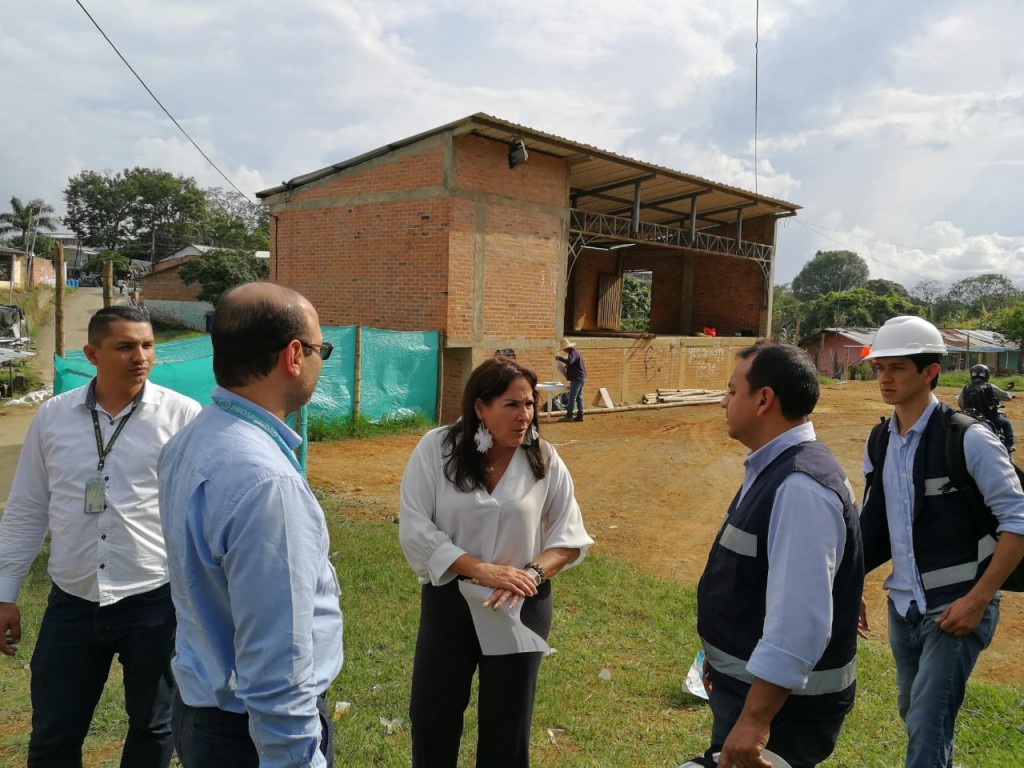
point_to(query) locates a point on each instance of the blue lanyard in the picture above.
(250, 416)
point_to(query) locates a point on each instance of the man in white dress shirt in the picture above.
(87, 473)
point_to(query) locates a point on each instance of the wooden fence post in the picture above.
(357, 377)
(58, 302)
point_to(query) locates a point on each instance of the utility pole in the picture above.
(58, 302)
(108, 283)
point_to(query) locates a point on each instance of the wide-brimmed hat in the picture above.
(566, 344)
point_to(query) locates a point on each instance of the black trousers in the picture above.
(208, 737)
(78, 640)
(801, 743)
(447, 656)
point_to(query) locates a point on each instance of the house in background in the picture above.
(504, 237)
(172, 301)
(836, 350)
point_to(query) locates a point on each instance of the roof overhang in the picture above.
(600, 182)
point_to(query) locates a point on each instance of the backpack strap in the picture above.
(878, 444)
(956, 460)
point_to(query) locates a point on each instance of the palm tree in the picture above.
(23, 218)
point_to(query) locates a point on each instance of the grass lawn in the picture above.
(608, 616)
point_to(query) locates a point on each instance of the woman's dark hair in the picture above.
(249, 332)
(464, 464)
(788, 372)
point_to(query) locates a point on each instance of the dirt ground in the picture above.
(654, 485)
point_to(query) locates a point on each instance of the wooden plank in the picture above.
(605, 398)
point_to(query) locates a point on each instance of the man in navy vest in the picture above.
(778, 602)
(943, 589)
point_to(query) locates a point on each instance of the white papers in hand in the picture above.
(500, 631)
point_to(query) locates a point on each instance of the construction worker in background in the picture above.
(946, 572)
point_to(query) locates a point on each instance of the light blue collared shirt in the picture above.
(259, 625)
(806, 541)
(987, 463)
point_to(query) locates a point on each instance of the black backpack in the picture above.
(979, 398)
(959, 478)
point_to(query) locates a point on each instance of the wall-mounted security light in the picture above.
(517, 153)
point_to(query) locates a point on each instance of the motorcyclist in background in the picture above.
(982, 398)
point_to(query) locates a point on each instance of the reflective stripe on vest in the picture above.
(955, 574)
(740, 542)
(818, 681)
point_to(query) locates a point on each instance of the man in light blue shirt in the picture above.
(943, 589)
(777, 604)
(259, 626)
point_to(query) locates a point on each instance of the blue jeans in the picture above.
(76, 645)
(575, 398)
(1007, 427)
(932, 668)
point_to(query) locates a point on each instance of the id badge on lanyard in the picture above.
(96, 487)
(95, 496)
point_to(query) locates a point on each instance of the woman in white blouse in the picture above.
(484, 500)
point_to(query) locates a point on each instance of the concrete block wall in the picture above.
(189, 314)
(628, 368)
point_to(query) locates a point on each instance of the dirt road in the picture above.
(654, 486)
(78, 308)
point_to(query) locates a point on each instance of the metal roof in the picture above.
(10, 355)
(600, 182)
(957, 340)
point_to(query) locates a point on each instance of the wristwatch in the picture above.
(539, 574)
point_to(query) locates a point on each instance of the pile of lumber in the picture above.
(684, 396)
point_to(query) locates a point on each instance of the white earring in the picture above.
(482, 438)
(531, 435)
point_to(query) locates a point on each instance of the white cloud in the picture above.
(905, 147)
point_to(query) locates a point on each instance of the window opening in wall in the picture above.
(636, 300)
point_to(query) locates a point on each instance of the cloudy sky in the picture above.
(898, 126)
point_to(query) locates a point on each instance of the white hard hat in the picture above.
(905, 336)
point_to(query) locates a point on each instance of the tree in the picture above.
(787, 315)
(161, 203)
(830, 271)
(881, 287)
(1011, 324)
(98, 209)
(95, 263)
(22, 219)
(234, 221)
(858, 308)
(217, 271)
(147, 212)
(927, 292)
(636, 304)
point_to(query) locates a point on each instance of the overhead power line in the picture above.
(160, 104)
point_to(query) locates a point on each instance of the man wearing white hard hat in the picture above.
(943, 589)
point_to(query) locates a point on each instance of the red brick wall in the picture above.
(728, 292)
(166, 285)
(42, 272)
